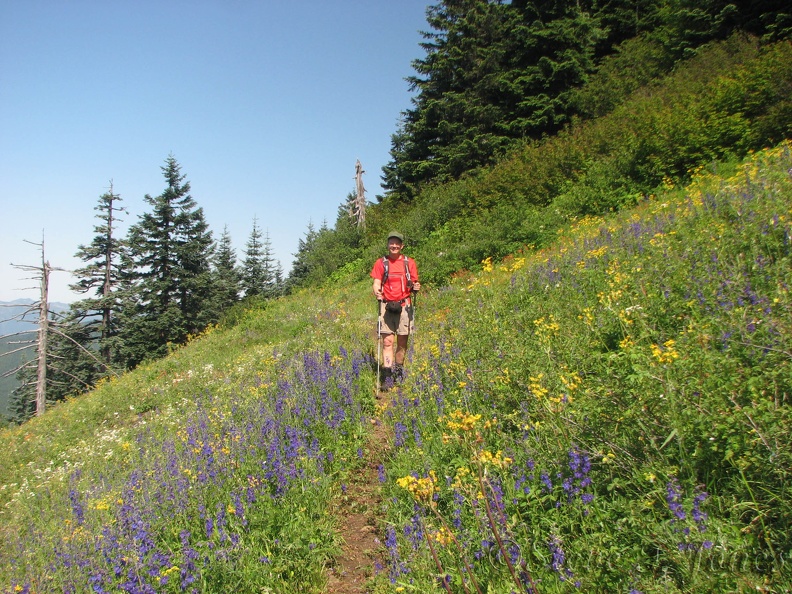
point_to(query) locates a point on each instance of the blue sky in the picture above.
(266, 105)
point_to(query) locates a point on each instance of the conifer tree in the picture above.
(79, 341)
(493, 73)
(253, 274)
(169, 291)
(99, 278)
(270, 268)
(226, 274)
(301, 265)
(280, 281)
(73, 365)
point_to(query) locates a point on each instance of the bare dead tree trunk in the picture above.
(360, 200)
(43, 333)
(43, 330)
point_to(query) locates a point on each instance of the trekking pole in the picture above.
(414, 302)
(379, 344)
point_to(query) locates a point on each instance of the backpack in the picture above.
(406, 270)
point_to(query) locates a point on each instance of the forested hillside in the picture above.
(17, 317)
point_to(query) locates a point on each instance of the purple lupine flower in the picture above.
(699, 516)
(558, 560)
(239, 509)
(397, 567)
(497, 500)
(414, 530)
(77, 507)
(187, 573)
(400, 431)
(417, 433)
(674, 500)
(459, 499)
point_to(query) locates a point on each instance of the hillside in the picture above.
(14, 319)
(607, 414)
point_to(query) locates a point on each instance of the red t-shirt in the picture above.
(395, 288)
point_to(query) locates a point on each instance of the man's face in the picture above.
(394, 245)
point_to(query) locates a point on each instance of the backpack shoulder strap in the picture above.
(385, 269)
(407, 270)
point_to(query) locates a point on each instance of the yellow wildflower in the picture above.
(462, 421)
(665, 354)
(423, 489)
(497, 459)
(443, 536)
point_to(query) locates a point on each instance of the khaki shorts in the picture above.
(394, 323)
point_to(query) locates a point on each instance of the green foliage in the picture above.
(226, 275)
(260, 275)
(635, 63)
(497, 73)
(607, 414)
(321, 253)
(728, 100)
(168, 290)
(494, 72)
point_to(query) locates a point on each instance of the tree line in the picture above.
(498, 73)
(145, 293)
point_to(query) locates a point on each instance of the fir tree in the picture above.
(253, 274)
(494, 73)
(226, 274)
(99, 278)
(270, 268)
(301, 265)
(169, 292)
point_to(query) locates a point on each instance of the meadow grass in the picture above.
(211, 469)
(609, 414)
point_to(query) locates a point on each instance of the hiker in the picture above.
(395, 278)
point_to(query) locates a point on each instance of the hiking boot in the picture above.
(386, 378)
(398, 373)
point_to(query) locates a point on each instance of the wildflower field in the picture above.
(609, 414)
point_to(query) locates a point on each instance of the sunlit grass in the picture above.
(608, 414)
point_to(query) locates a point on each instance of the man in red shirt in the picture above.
(395, 278)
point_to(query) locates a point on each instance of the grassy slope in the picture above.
(636, 370)
(654, 345)
(89, 444)
(638, 373)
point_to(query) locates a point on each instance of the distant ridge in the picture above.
(13, 319)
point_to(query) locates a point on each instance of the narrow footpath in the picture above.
(358, 511)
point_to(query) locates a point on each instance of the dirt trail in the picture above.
(358, 511)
